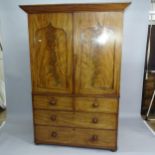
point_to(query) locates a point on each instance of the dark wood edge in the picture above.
(115, 96)
(113, 149)
(76, 127)
(48, 8)
(81, 111)
(77, 111)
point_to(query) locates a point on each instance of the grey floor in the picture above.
(16, 138)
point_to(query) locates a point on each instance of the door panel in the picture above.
(51, 52)
(97, 38)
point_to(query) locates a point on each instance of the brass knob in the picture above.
(94, 138)
(54, 134)
(94, 120)
(53, 117)
(52, 102)
(95, 104)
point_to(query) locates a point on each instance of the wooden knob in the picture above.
(95, 104)
(94, 138)
(94, 120)
(54, 134)
(52, 102)
(53, 117)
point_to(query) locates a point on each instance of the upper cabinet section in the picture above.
(76, 48)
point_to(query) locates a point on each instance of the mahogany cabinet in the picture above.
(75, 52)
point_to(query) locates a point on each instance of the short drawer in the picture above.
(96, 138)
(75, 119)
(76, 137)
(52, 102)
(106, 105)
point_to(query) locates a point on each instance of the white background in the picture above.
(13, 24)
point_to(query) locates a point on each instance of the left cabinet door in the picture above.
(51, 52)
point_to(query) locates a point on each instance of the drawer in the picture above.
(52, 102)
(96, 104)
(53, 134)
(76, 137)
(96, 138)
(75, 119)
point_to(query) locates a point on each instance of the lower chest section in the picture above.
(76, 121)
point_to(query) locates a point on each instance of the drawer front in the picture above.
(90, 137)
(77, 119)
(53, 134)
(77, 137)
(52, 102)
(96, 104)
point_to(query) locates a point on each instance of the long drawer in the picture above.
(81, 104)
(75, 119)
(76, 136)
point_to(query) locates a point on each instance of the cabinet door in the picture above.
(51, 52)
(97, 47)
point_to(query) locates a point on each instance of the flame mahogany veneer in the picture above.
(75, 52)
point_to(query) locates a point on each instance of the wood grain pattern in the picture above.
(51, 52)
(78, 137)
(104, 138)
(112, 96)
(33, 9)
(75, 119)
(82, 104)
(105, 105)
(97, 42)
(53, 103)
(75, 52)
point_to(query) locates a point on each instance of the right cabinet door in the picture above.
(97, 52)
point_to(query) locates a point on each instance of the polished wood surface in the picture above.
(97, 51)
(100, 7)
(53, 103)
(75, 119)
(51, 52)
(78, 137)
(81, 104)
(112, 96)
(105, 105)
(75, 52)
